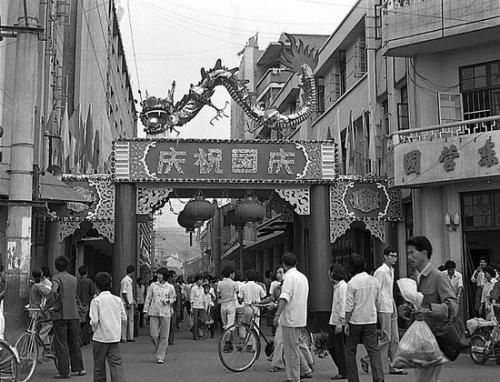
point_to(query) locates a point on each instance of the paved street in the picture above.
(198, 361)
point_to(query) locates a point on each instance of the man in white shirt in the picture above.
(252, 293)
(363, 303)
(197, 298)
(106, 315)
(455, 277)
(226, 293)
(292, 315)
(387, 314)
(127, 294)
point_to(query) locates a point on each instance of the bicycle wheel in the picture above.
(9, 366)
(27, 348)
(239, 347)
(478, 349)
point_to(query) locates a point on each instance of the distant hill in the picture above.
(170, 240)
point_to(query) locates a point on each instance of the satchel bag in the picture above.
(83, 310)
(451, 340)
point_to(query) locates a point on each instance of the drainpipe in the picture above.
(371, 50)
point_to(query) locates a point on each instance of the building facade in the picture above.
(82, 101)
(445, 125)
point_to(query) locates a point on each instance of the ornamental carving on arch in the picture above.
(105, 208)
(299, 198)
(150, 199)
(66, 228)
(376, 228)
(106, 228)
(338, 228)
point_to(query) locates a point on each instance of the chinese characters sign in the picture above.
(144, 160)
(452, 159)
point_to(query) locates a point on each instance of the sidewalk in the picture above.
(190, 360)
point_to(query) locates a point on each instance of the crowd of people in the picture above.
(83, 311)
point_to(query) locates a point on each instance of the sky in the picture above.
(174, 39)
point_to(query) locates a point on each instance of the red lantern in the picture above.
(232, 219)
(199, 209)
(186, 222)
(250, 210)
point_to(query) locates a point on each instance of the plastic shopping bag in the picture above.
(418, 349)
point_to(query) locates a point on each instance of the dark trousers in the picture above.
(111, 353)
(140, 307)
(197, 321)
(366, 334)
(171, 334)
(85, 331)
(67, 346)
(336, 348)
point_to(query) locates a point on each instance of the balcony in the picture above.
(274, 78)
(411, 27)
(451, 152)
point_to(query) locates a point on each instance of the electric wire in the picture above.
(133, 48)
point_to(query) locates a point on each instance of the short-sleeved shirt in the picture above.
(294, 290)
(385, 276)
(456, 280)
(127, 287)
(252, 292)
(227, 289)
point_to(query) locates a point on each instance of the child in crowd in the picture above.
(106, 315)
(208, 303)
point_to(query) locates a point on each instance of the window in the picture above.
(480, 88)
(320, 84)
(481, 210)
(342, 71)
(403, 112)
(450, 107)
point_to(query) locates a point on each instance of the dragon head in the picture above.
(156, 114)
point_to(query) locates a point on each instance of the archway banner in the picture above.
(224, 161)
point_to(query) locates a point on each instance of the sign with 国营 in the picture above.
(224, 161)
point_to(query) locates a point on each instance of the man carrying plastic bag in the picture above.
(435, 305)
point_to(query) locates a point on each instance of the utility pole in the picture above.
(21, 163)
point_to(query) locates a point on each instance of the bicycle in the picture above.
(9, 363)
(240, 345)
(28, 344)
(483, 343)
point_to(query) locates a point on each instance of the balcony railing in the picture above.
(454, 129)
(411, 27)
(276, 76)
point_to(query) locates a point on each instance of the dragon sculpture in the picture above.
(162, 114)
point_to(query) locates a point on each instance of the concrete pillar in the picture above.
(320, 297)
(216, 240)
(80, 256)
(21, 167)
(125, 248)
(276, 256)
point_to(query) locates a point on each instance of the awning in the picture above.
(51, 188)
(250, 244)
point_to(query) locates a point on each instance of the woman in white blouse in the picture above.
(159, 307)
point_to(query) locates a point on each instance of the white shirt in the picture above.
(339, 300)
(480, 280)
(385, 277)
(363, 299)
(487, 288)
(294, 291)
(456, 280)
(197, 297)
(106, 315)
(127, 287)
(273, 286)
(227, 289)
(252, 292)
